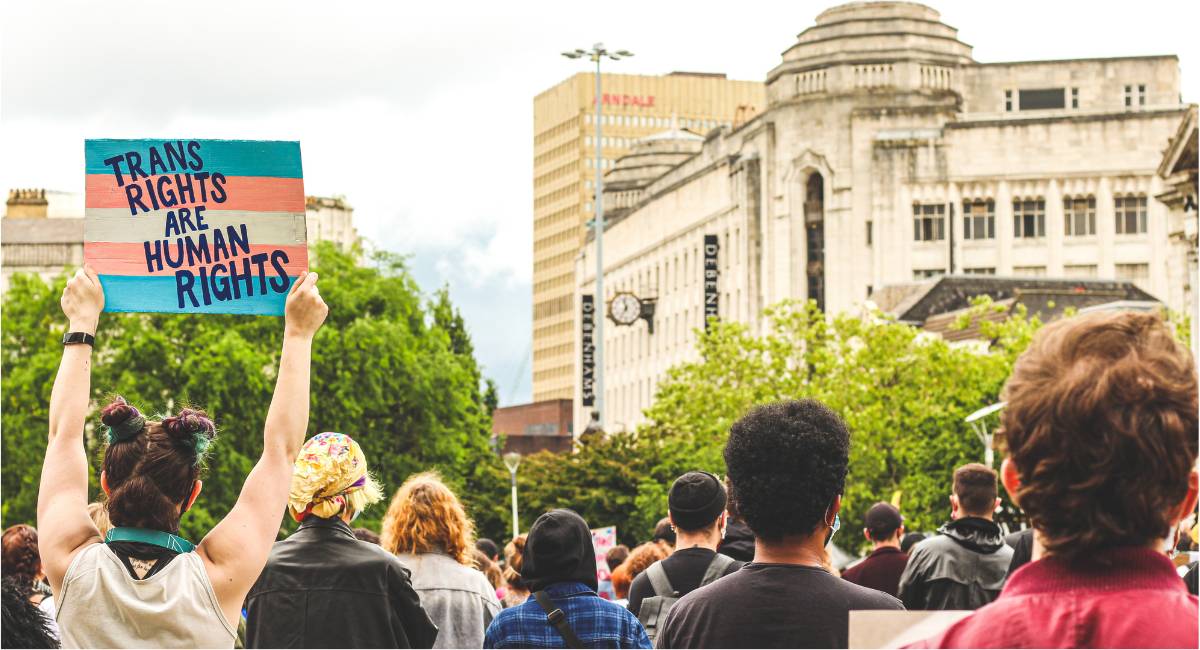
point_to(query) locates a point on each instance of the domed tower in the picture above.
(864, 68)
(650, 158)
(878, 47)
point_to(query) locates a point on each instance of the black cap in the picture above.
(882, 520)
(696, 500)
(559, 549)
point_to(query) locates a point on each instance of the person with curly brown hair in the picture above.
(427, 527)
(1100, 424)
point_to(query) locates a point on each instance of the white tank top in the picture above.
(102, 606)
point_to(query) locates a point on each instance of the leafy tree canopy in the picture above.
(391, 369)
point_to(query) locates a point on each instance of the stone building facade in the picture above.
(887, 154)
(1179, 184)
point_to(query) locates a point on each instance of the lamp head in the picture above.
(511, 460)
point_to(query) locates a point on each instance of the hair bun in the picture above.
(192, 428)
(122, 420)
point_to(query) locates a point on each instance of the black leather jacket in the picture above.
(962, 568)
(322, 588)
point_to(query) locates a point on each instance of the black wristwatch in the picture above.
(75, 338)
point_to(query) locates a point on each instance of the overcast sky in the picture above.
(422, 116)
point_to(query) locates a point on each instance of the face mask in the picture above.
(837, 523)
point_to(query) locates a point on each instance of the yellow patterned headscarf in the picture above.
(330, 475)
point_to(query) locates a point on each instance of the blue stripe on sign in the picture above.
(158, 294)
(270, 158)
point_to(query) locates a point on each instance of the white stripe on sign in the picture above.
(116, 225)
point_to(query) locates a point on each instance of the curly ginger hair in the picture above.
(426, 517)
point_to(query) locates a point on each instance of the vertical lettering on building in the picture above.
(587, 350)
(711, 274)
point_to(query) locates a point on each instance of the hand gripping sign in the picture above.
(195, 226)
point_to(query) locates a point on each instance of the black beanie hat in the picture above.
(696, 500)
(559, 549)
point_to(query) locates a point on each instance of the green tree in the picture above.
(903, 392)
(396, 374)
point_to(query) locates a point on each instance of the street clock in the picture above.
(625, 308)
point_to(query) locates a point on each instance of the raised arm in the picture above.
(62, 520)
(235, 551)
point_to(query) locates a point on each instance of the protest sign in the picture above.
(898, 628)
(604, 539)
(195, 226)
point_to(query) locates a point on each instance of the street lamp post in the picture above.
(978, 422)
(596, 54)
(511, 460)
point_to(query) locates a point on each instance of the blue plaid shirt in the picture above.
(597, 622)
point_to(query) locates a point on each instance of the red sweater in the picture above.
(880, 570)
(1138, 601)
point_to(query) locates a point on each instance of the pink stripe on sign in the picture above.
(252, 193)
(119, 258)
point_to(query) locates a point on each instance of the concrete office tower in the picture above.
(634, 106)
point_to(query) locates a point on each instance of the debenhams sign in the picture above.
(588, 349)
(711, 275)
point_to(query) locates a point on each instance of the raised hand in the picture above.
(83, 300)
(305, 310)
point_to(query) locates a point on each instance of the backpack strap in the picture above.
(558, 619)
(660, 582)
(716, 568)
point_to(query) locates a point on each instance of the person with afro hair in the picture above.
(786, 465)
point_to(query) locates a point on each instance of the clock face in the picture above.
(625, 309)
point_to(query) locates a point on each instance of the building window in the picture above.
(1029, 218)
(1029, 271)
(870, 233)
(980, 270)
(929, 221)
(1074, 98)
(1079, 215)
(1079, 271)
(979, 219)
(1131, 214)
(1130, 95)
(1041, 99)
(1133, 272)
(924, 274)
(1008, 101)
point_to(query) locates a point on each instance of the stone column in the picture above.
(1004, 228)
(1055, 228)
(1105, 229)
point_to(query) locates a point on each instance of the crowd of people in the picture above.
(1100, 433)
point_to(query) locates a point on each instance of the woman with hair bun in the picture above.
(142, 585)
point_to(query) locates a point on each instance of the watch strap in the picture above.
(78, 338)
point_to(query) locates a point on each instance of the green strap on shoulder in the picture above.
(153, 537)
